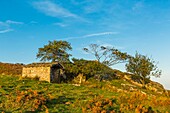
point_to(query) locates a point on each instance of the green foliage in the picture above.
(55, 51)
(10, 69)
(87, 68)
(142, 67)
(106, 55)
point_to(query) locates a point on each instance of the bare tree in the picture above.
(106, 55)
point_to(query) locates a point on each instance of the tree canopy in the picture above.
(107, 55)
(55, 51)
(142, 67)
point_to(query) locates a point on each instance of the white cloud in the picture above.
(5, 31)
(91, 35)
(52, 9)
(13, 22)
(60, 24)
(6, 25)
(99, 34)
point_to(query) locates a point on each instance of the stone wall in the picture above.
(43, 73)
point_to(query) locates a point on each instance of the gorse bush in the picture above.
(31, 100)
(99, 104)
(136, 102)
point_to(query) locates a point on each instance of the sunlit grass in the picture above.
(26, 95)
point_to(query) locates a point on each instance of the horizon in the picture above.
(129, 26)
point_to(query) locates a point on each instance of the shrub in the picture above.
(10, 69)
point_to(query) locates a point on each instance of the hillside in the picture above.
(10, 69)
(119, 95)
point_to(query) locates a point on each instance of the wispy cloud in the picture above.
(52, 9)
(91, 35)
(33, 22)
(5, 31)
(13, 22)
(60, 24)
(99, 34)
(6, 25)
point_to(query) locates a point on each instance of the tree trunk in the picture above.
(143, 82)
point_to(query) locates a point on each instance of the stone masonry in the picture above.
(44, 71)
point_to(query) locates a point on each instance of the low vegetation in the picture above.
(119, 95)
(88, 69)
(10, 69)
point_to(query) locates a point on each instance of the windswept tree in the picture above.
(142, 67)
(55, 51)
(106, 55)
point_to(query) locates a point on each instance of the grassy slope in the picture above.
(26, 95)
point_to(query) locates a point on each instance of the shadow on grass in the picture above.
(60, 104)
(57, 105)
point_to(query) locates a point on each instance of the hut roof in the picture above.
(48, 64)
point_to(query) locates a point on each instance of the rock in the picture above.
(67, 103)
(143, 92)
(79, 79)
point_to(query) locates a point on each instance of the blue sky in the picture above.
(129, 25)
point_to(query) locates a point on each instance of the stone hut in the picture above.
(50, 72)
